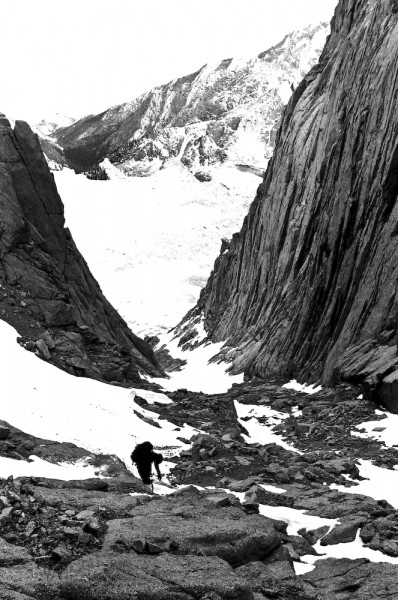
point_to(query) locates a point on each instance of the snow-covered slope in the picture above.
(151, 242)
(47, 402)
(228, 111)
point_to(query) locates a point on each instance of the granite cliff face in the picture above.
(308, 287)
(225, 111)
(46, 289)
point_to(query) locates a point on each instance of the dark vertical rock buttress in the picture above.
(47, 291)
(309, 285)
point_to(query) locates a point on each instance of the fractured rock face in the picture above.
(47, 291)
(311, 278)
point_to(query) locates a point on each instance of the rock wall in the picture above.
(308, 287)
(225, 111)
(46, 289)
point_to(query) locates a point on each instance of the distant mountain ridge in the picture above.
(47, 126)
(224, 112)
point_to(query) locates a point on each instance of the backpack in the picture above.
(157, 458)
(141, 451)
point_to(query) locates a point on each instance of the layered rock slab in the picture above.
(344, 579)
(312, 275)
(120, 577)
(196, 526)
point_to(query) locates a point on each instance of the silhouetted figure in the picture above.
(143, 456)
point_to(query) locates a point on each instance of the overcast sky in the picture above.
(82, 56)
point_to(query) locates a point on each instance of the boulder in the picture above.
(272, 582)
(30, 580)
(261, 496)
(198, 527)
(4, 432)
(203, 176)
(11, 555)
(109, 576)
(314, 535)
(354, 579)
(43, 349)
(340, 534)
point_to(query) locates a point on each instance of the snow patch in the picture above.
(302, 387)
(272, 488)
(38, 467)
(198, 375)
(390, 433)
(295, 519)
(351, 550)
(380, 484)
(261, 433)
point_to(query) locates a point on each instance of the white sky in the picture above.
(82, 56)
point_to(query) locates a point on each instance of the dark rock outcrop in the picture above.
(355, 579)
(121, 577)
(309, 285)
(198, 528)
(53, 152)
(47, 291)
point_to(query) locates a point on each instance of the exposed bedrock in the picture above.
(47, 291)
(308, 287)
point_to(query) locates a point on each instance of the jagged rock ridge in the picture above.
(309, 285)
(228, 111)
(46, 289)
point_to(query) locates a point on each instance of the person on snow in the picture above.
(143, 456)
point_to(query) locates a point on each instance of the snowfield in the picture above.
(198, 375)
(152, 242)
(51, 404)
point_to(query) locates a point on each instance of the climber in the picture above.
(143, 456)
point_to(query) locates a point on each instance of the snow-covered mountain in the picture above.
(53, 122)
(228, 111)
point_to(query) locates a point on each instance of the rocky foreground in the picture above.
(108, 538)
